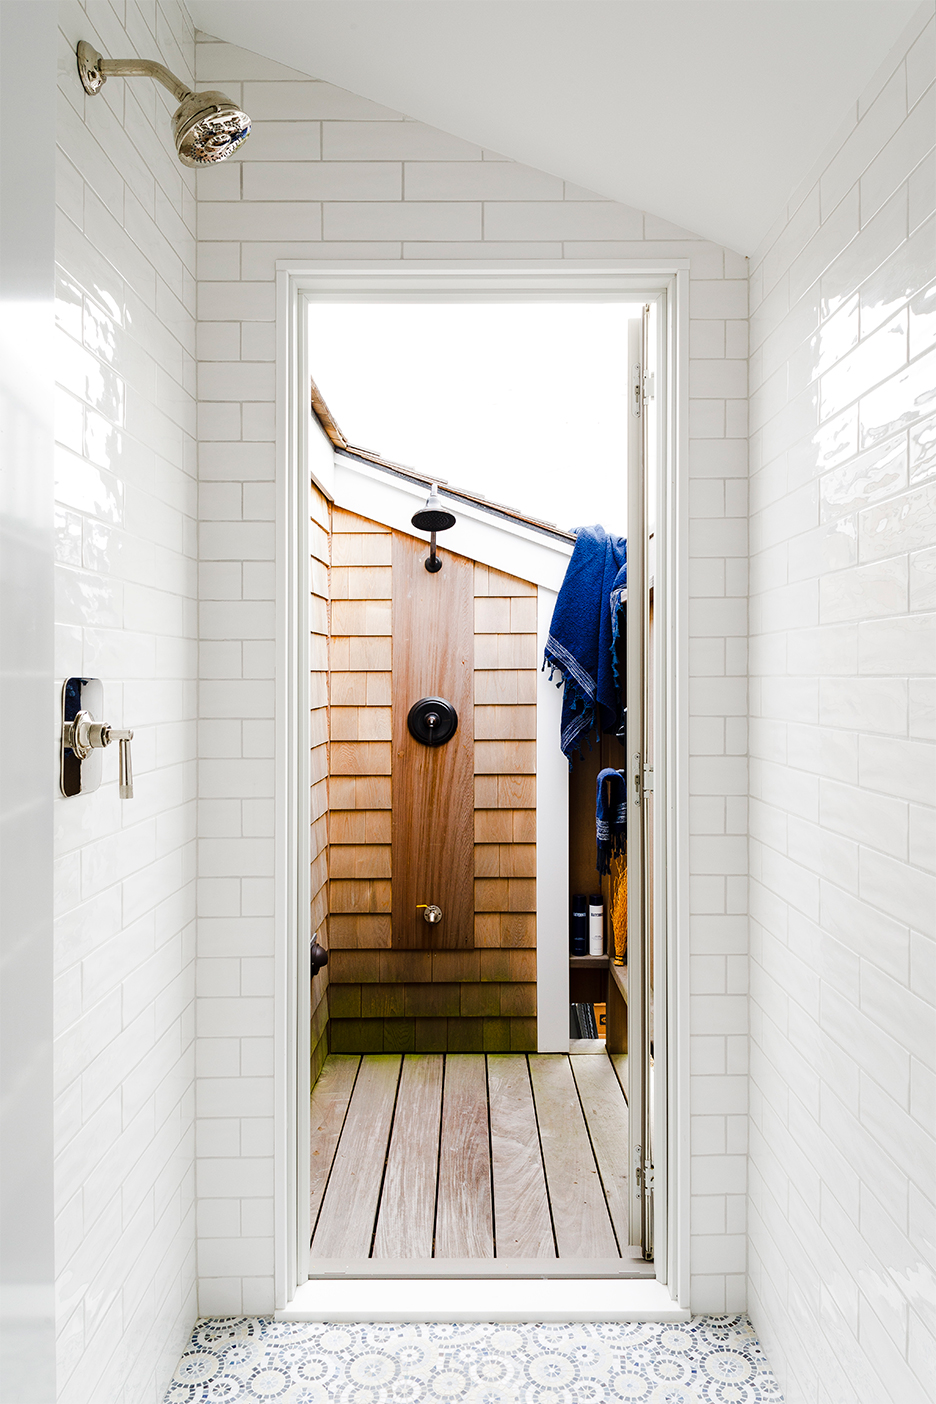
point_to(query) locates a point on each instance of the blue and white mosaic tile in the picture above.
(239, 1360)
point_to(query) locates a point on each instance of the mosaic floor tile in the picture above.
(239, 1360)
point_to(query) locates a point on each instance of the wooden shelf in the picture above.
(619, 976)
(589, 962)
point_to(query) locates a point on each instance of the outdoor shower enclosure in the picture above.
(409, 825)
(396, 824)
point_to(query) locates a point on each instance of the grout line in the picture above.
(383, 1174)
(539, 1141)
(337, 1144)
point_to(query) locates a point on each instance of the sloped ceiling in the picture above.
(708, 113)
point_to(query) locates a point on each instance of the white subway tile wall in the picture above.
(126, 604)
(843, 766)
(329, 175)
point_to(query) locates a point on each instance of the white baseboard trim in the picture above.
(491, 1299)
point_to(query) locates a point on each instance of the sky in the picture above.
(523, 403)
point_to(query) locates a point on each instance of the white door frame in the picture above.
(665, 283)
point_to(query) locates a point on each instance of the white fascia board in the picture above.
(490, 540)
(487, 1299)
(321, 456)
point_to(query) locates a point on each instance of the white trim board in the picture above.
(482, 536)
(485, 1299)
(626, 281)
(552, 852)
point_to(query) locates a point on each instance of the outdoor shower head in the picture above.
(433, 517)
(207, 127)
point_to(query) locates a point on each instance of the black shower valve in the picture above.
(432, 721)
(318, 956)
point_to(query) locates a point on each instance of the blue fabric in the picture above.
(610, 817)
(583, 634)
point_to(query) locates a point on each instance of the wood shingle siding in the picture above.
(479, 996)
(320, 538)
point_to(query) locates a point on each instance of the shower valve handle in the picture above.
(125, 772)
(430, 911)
(84, 735)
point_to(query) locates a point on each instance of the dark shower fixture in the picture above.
(432, 720)
(207, 127)
(432, 518)
(318, 956)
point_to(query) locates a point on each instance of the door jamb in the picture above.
(604, 280)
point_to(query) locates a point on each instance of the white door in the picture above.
(639, 743)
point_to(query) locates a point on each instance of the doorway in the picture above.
(372, 1098)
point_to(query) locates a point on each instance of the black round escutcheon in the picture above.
(432, 720)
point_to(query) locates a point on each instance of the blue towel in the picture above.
(610, 817)
(583, 634)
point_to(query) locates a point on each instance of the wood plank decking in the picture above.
(463, 1157)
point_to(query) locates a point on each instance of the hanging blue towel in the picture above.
(610, 817)
(582, 636)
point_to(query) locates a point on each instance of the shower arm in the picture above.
(95, 70)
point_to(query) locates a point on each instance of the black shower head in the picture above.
(433, 517)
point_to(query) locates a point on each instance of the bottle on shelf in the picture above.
(596, 924)
(578, 926)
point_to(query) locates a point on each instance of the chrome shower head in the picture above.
(207, 127)
(433, 517)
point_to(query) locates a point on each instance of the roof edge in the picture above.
(332, 431)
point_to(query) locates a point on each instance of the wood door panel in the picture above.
(433, 787)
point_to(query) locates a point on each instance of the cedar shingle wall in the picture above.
(319, 530)
(456, 1000)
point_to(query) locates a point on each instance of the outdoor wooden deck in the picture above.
(465, 1157)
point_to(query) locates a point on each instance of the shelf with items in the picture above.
(592, 978)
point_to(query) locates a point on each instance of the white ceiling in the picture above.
(707, 113)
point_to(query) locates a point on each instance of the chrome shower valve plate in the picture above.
(82, 699)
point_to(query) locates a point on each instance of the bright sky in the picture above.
(523, 403)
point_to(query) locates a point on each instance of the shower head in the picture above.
(433, 517)
(207, 127)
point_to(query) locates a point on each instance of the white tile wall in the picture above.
(843, 1004)
(327, 174)
(126, 612)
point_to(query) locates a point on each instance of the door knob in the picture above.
(430, 911)
(84, 737)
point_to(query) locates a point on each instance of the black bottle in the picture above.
(578, 927)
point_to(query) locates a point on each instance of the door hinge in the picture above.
(642, 777)
(635, 389)
(649, 385)
(643, 1172)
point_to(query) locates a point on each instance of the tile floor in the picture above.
(710, 1360)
